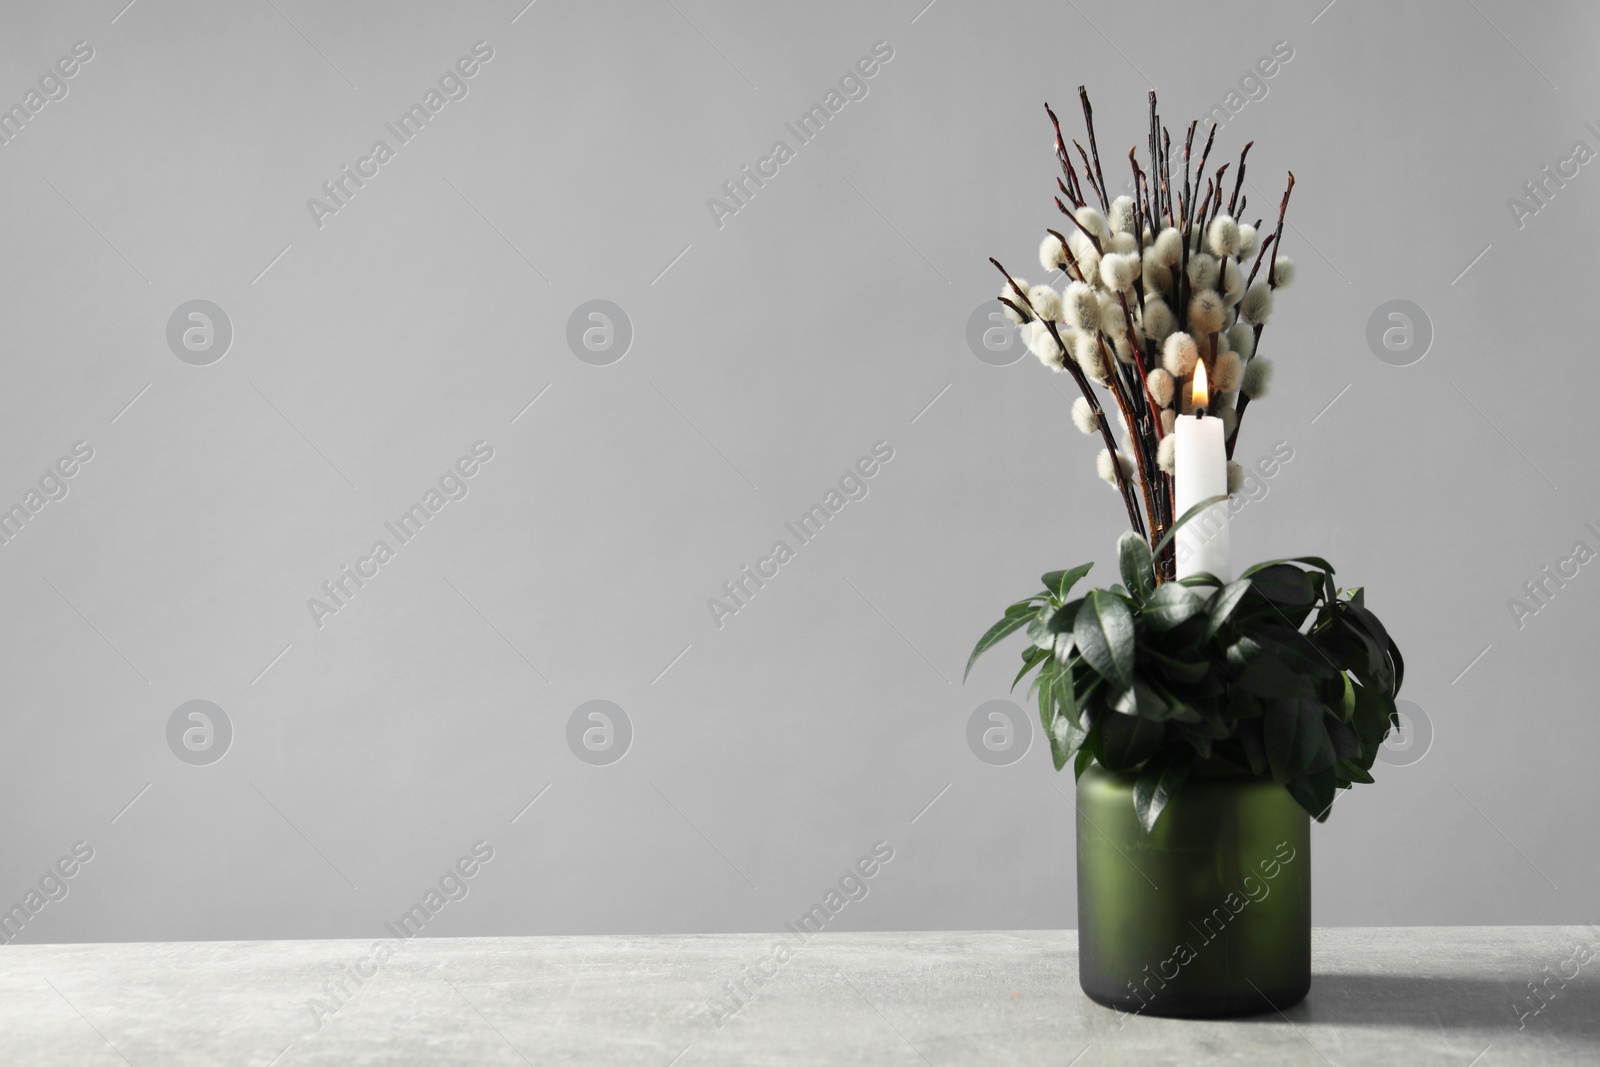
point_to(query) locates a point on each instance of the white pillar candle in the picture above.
(1201, 471)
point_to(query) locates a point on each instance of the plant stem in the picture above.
(1088, 393)
(1272, 282)
(1088, 121)
(1238, 181)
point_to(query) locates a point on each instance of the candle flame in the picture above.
(1200, 396)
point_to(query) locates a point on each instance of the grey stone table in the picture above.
(1452, 996)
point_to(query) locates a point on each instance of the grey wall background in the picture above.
(767, 356)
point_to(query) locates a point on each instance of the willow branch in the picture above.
(1088, 394)
(1272, 282)
(1088, 120)
(1234, 207)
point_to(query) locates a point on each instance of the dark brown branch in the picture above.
(1166, 172)
(1234, 207)
(1276, 241)
(1261, 253)
(1081, 228)
(1066, 250)
(1073, 192)
(1024, 313)
(1188, 193)
(1088, 393)
(1088, 121)
(1277, 235)
(1205, 154)
(1216, 209)
(1089, 173)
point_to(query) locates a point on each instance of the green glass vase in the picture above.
(1207, 915)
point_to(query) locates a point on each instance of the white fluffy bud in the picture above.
(1041, 344)
(1118, 271)
(1257, 377)
(1091, 219)
(1247, 241)
(1122, 215)
(1112, 320)
(1168, 248)
(1052, 256)
(1081, 307)
(1283, 272)
(1206, 312)
(1242, 339)
(1222, 236)
(1083, 416)
(1203, 271)
(1157, 279)
(1178, 354)
(1161, 387)
(1089, 263)
(1046, 301)
(1108, 466)
(1228, 369)
(1232, 282)
(1159, 321)
(1257, 304)
(1011, 294)
(1086, 350)
(1167, 453)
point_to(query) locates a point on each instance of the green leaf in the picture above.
(1186, 671)
(1031, 658)
(1171, 605)
(1059, 623)
(1268, 676)
(1162, 776)
(1254, 750)
(1314, 561)
(1222, 605)
(1137, 573)
(1292, 732)
(1283, 584)
(1085, 756)
(1125, 741)
(1314, 792)
(1058, 710)
(1061, 582)
(1103, 633)
(1356, 772)
(996, 633)
(1025, 607)
(1185, 517)
(1346, 746)
(1374, 715)
(1144, 700)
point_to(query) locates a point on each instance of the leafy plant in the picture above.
(1279, 675)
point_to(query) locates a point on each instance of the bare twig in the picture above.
(1088, 121)
(1234, 207)
(1081, 228)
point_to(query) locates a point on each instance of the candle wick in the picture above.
(1200, 412)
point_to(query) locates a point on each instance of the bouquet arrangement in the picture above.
(1276, 674)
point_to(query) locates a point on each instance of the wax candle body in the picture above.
(1201, 471)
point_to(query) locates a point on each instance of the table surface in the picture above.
(1419, 995)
